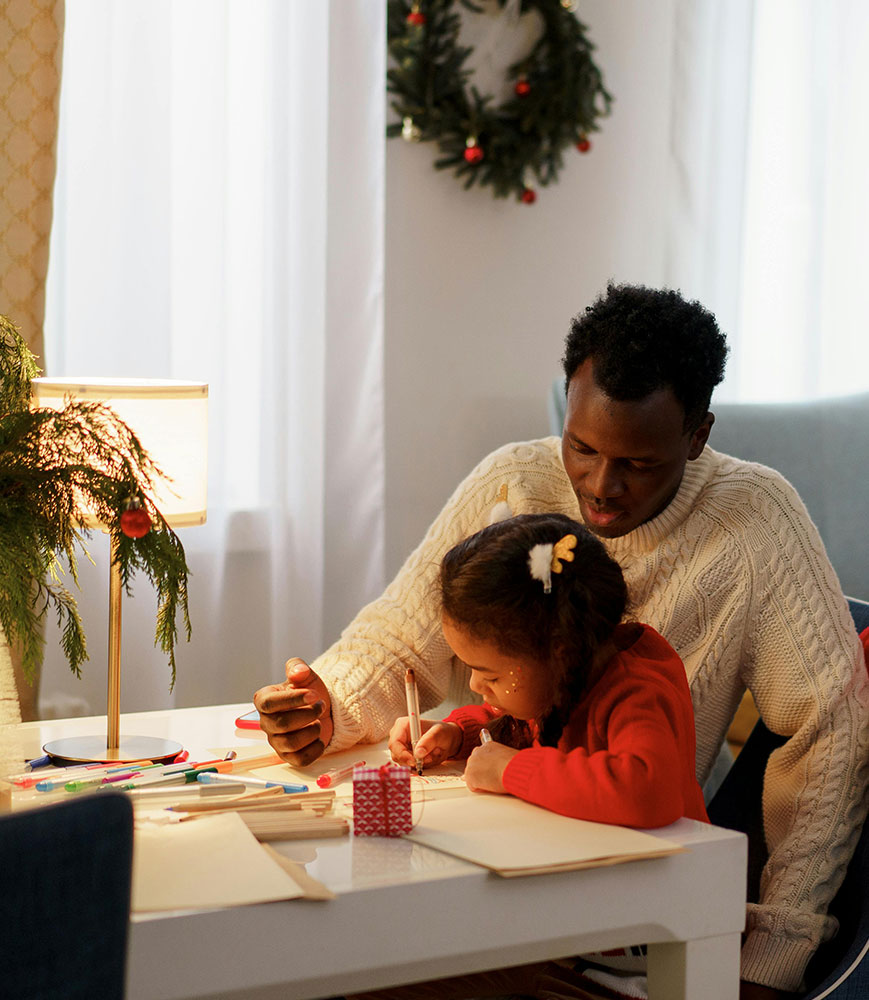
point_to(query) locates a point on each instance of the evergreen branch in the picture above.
(62, 471)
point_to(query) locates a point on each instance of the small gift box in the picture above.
(381, 801)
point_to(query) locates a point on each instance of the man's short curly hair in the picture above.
(644, 339)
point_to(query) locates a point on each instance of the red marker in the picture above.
(333, 777)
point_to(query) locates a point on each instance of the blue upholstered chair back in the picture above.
(65, 878)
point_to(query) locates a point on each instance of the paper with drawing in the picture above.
(438, 781)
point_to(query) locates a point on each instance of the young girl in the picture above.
(590, 715)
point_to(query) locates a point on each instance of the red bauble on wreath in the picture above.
(555, 101)
(473, 153)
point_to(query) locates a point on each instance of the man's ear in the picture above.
(700, 437)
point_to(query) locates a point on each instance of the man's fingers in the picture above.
(297, 741)
(292, 720)
(277, 698)
(299, 758)
(298, 672)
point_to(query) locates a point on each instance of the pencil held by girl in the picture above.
(590, 715)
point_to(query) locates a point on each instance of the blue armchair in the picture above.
(65, 878)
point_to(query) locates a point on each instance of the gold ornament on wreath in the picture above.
(556, 99)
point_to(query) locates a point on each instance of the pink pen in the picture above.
(333, 777)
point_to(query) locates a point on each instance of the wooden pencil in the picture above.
(267, 826)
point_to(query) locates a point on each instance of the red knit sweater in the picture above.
(627, 753)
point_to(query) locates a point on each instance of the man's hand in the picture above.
(297, 715)
(439, 742)
(754, 991)
(486, 766)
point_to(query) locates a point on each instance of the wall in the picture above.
(480, 293)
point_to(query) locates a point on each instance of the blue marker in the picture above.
(213, 779)
(43, 761)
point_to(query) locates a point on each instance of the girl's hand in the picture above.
(486, 766)
(439, 741)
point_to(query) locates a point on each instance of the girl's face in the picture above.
(519, 687)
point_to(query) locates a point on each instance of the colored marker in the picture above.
(143, 781)
(410, 690)
(152, 780)
(485, 737)
(209, 779)
(29, 780)
(52, 784)
(179, 793)
(338, 774)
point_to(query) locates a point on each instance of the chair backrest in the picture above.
(65, 877)
(859, 612)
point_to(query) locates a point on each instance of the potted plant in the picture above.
(56, 465)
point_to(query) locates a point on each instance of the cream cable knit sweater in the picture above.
(734, 574)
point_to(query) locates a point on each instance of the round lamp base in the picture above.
(93, 750)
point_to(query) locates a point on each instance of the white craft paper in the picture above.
(212, 862)
(513, 837)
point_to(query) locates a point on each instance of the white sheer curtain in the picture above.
(769, 206)
(219, 216)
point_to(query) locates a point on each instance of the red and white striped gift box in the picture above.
(381, 801)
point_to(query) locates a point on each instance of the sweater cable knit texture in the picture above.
(734, 574)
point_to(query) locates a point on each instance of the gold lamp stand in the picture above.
(93, 749)
(170, 418)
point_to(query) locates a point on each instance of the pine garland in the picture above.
(53, 465)
(557, 100)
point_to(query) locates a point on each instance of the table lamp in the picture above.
(170, 418)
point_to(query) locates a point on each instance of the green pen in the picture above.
(192, 775)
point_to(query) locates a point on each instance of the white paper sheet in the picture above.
(213, 862)
(513, 837)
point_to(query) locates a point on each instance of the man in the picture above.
(719, 556)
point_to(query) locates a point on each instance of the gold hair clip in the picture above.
(546, 559)
(563, 550)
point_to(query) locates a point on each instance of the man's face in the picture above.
(624, 459)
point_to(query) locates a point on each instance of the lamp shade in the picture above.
(170, 419)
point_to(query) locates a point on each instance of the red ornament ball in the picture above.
(522, 87)
(416, 17)
(473, 154)
(584, 145)
(135, 522)
(529, 196)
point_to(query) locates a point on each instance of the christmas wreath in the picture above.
(556, 101)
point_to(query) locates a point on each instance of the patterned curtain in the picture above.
(31, 46)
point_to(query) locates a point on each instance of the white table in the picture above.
(688, 907)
